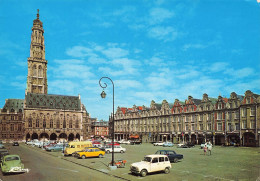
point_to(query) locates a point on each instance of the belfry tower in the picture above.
(37, 65)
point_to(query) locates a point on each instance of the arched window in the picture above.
(40, 72)
(37, 123)
(44, 123)
(30, 123)
(51, 123)
(58, 124)
(77, 123)
(64, 123)
(70, 124)
(34, 71)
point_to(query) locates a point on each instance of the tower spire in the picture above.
(38, 14)
(37, 64)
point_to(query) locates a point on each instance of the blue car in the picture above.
(168, 144)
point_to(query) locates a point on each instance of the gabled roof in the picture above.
(13, 105)
(197, 101)
(158, 106)
(49, 101)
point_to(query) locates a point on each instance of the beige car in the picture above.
(151, 163)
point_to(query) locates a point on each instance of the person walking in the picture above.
(205, 149)
(209, 149)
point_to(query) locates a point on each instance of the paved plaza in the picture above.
(225, 163)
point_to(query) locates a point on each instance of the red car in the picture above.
(115, 144)
(50, 144)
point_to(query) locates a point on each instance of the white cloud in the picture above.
(218, 66)
(19, 85)
(194, 46)
(163, 33)
(66, 87)
(126, 84)
(115, 53)
(71, 68)
(79, 51)
(158, 15)
(122, 66)
(189, 74)
(158, 83)
(240, 73)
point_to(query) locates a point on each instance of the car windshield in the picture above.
(158, 152)
(147, 159)
(12, 158)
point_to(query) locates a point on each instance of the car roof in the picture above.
(165, 150)
(12, 156)
(155, 155)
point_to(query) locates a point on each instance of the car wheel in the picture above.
(83, 157)
(100, 155)
(167, 170)
(108, 151)
(175, 160)
(121, 151)
(143, 173)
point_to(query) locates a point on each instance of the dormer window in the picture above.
(248, 100)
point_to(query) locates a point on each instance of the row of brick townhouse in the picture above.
(223, 121)
(99, 129)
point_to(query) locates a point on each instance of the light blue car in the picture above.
(168, 144)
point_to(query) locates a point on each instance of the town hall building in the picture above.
(41, 115)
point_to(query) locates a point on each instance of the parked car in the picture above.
(15, 143)
(190, 144)
(57, 147)
(173, 156)
(160, 143)
(96, 144)
(117, 149)
(115, 143)
(135, 142)
(32, 142)
(48, 145)
(3, 152)
(12, 164)
(90, 152)
(127, 142)
(168, 144)
(2, 146)
(103, 148)
(124, 142)
(75, 146)
(186, 145)
(151, 163)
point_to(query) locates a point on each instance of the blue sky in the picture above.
(152, 50)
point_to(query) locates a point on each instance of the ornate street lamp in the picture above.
(103, 95)
(64, 126)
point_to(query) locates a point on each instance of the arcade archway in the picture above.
(44, 136)
(53, 136)
(249, 139)
(78, 136)
(28, 136)
(71, 137)
(35, 136)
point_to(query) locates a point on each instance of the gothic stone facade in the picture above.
(223, 121)
(42, 115)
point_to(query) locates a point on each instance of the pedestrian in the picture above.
(209, 149)
(205, 149)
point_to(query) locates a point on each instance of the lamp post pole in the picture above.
(44, 126)
(103, 95)
(63, 130)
